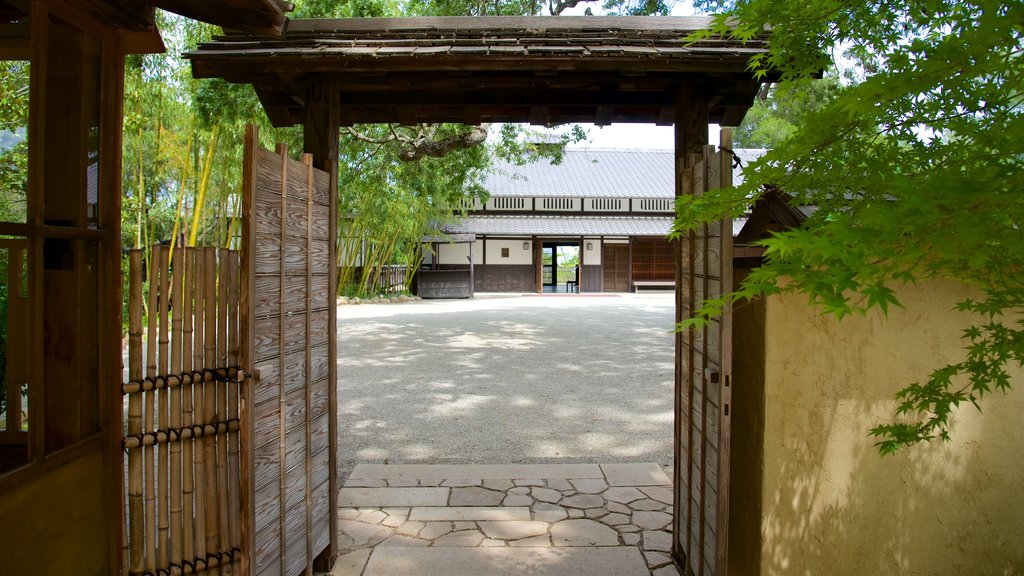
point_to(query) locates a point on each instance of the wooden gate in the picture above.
(703, 384)
(289, 444)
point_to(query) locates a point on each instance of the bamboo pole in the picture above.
(187, 484)
(234, 502)
(198, 390)
(149, 423)
(220, 410)
(177, 530)
(210, 400)
(162, 468)
(136, 510)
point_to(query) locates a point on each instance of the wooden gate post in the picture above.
(320, 139)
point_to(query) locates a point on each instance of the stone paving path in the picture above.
(497, 520)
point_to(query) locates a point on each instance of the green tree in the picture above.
(915, 168)
(776, 112)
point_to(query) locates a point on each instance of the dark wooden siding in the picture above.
(653, 259)
(592, 279)
(615, 264)
(501, 278)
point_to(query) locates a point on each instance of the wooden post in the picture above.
(149, 423)
(282, 447)
(221, 406)
(247, 447)
(691, 121)
(320, 139)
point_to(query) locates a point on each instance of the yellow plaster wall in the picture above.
(830, 504)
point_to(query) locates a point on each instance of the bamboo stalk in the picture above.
(234, 502)
(187, 483)
(210, 400)
(198, 392)
(162, 468)
(177, 529)
(220, 411)
(149, 423)
(136, 509)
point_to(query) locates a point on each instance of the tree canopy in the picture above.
(914, 165)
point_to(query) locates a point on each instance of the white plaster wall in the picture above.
(516, 254)
(591, 257)
(459, 253)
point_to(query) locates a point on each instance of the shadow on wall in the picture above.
(830, 503)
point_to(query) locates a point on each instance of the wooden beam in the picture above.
(320, 139)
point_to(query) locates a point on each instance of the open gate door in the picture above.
(703, 382)
(288, 452)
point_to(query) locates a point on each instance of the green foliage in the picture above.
(914, 167)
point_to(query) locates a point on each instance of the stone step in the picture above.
(583, 561)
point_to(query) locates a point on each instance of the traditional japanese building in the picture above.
(596, 222)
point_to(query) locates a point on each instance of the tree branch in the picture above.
(428, 147)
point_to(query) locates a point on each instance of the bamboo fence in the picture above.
(181, 438)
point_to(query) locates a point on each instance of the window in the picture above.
(504, 252)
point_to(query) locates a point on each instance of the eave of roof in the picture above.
(545, 70)
(538, 225)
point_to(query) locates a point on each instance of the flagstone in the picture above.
(491, 543)
(400, 540)
(560, 484)
(646, 504)
(393, 497)
(517, 500)
(410, 528)
(583, 533)
(520, 490)
(434, 530)
(542, 540)
(507, 561)
(365, 483)
(546, 495)
(465, 525)
(659, 493)
(623, 494)
(513, 530)
(463, 482)
(657, 559)
(461, 538)
(589, 485)
(646, 474)
(658, 541)
(596, 512)
(615, 519)
(374, 517)
(351, 564)
(576, 513)
(498, 484)
(469, 513)
(651, 520)
(357, 534)
(669, 570)
(619, 508)
(348, 513)
(583, 501)
(630, 539)
(528, 482)
(475, 496)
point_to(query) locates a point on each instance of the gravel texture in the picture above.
(523, 379)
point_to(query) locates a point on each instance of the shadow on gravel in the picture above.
(520, 381)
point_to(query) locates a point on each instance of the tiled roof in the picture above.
(563, 225)
(597, 173)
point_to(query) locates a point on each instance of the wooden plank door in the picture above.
(703, 386)
(289, 480)
(615, 266)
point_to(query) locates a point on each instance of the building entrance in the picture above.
(560, 267)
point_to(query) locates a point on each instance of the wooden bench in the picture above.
(654, 284)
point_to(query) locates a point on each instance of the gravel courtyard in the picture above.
(503, 380)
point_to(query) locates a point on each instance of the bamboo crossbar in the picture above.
(169, 435)
(232, 374)
(182, 430)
